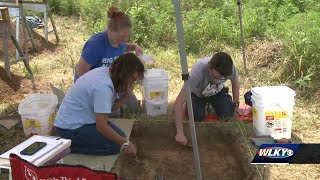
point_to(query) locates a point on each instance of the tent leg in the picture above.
(185, 77)
(242, 37)
(264, 172)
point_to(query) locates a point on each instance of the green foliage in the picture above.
(65, 7)
(301, 33)
(211, 26)
(34, 68)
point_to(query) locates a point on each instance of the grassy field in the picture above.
(55, 65)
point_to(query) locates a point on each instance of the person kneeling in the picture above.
(207, 80)
(83, 114)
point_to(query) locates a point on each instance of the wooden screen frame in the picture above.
(9, 3)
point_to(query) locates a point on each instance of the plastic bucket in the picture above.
(155, 92)
(272, 111)
(38, 113)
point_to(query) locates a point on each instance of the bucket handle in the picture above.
(156, 102)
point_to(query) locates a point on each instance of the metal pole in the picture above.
(242, 37)
(185, 77)
(17, 11)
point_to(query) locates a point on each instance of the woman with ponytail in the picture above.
(104, 47)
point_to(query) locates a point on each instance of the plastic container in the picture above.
(146, 59)
(155, 92)
(272, 111)
(38, 113)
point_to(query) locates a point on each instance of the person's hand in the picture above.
(181, 139)
(138, 50)
(131, 150)
(239, 111)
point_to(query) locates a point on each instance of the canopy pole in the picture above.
(185, 78)
(242, 37)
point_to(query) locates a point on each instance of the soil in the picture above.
(264, 54)
(15, 90)
(39, 40)
(159, 156)
(19, 86)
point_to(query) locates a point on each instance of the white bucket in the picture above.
(272, 111)
(38, 113)
(155, 91)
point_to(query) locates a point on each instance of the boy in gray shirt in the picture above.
(207, 80)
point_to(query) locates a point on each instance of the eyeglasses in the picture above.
(215, 75)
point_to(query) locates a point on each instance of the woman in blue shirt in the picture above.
(84, 111)
(104, 47)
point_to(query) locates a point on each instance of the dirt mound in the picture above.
(16, 89)
(13, 90)
(264, 54)
(39, 41)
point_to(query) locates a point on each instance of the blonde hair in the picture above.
(117, 19)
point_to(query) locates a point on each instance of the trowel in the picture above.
(258, 141)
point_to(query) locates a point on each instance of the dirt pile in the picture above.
(264, 54)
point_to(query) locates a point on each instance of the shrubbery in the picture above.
(208, 24)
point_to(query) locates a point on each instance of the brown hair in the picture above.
(123, 68)
(117, 19)
(222, 63)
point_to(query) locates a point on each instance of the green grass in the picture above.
(211, 26)
(57, 68)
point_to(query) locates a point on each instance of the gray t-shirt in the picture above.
(202, 84)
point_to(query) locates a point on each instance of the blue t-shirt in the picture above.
(92, 93)
(99, 52)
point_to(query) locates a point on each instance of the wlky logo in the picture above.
(29, 174)
(275, 152)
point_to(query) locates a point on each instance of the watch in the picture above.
(236, 104)
(125, 145)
